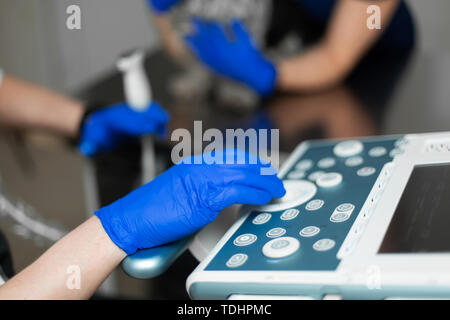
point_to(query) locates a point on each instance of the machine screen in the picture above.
(421, 222)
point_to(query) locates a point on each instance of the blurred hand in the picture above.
(105, 129)
(234, 56)
(162, 6)
(184, 199)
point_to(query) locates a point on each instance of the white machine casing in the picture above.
(362, 273)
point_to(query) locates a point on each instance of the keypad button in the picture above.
(377, 152)
(297, 193)
(316, 175)
(366, 171)
(304, 165)
(360, 228)
(314, 205)
(368, 211)
(350, 248)
(276, 232)
(324, 245)
(345, 207)
(354, 161)
(326, 163)
(245, 240)
(281, 247)
(348, 148)
(262, 218)
(289, 214)
(396, 152)
(339, 217)
(401, 142)
(310, 231)
(296, 174)
(329, 180)
(237, 260)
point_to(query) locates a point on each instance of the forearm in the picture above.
(345, 42)
(88, 249)
(25, 105)
(171, 40)
(314, 70)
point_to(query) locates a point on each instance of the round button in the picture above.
(396, 152)
(316, 175)
(296, 174)
(297, 193)
(314, 205)
(400, 142)
(324, 245)
(345, 207)
(339, 217)
(289, 214)
(275, 232)
(366, 171)
(368, 212)
(262, 218)
(245, 240)
(354, 161)
(348, 148)
(377, 152)
(281, 247)
(304, 165)
(237, 260)
(326, 163)
(310, 231)
(329, 180)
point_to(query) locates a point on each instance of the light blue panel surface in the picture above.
(220, 291)
(354, 189)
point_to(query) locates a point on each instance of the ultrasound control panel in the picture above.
(305, 230)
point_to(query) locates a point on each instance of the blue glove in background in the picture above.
(234, 56)
(184, 199)
(162, 6)
(105, 129)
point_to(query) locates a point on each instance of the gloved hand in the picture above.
(106, 128)
(184, 199)
(233, 56)
(162, 6)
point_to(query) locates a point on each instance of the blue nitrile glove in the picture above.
(184, 199)
(106, 128)
(162, 6)
(234, 56)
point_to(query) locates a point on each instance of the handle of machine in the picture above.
(152, 262)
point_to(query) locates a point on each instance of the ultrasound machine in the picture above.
(366, 218)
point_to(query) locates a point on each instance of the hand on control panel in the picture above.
(186, 198)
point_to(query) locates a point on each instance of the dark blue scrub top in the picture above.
(400, 32)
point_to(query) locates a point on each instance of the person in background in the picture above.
(177, 203)
(344, 41)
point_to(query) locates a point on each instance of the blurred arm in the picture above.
(88, 248)
(26, 105)
(346, 41)
(172, 42)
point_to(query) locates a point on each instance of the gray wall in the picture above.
(36, 45)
